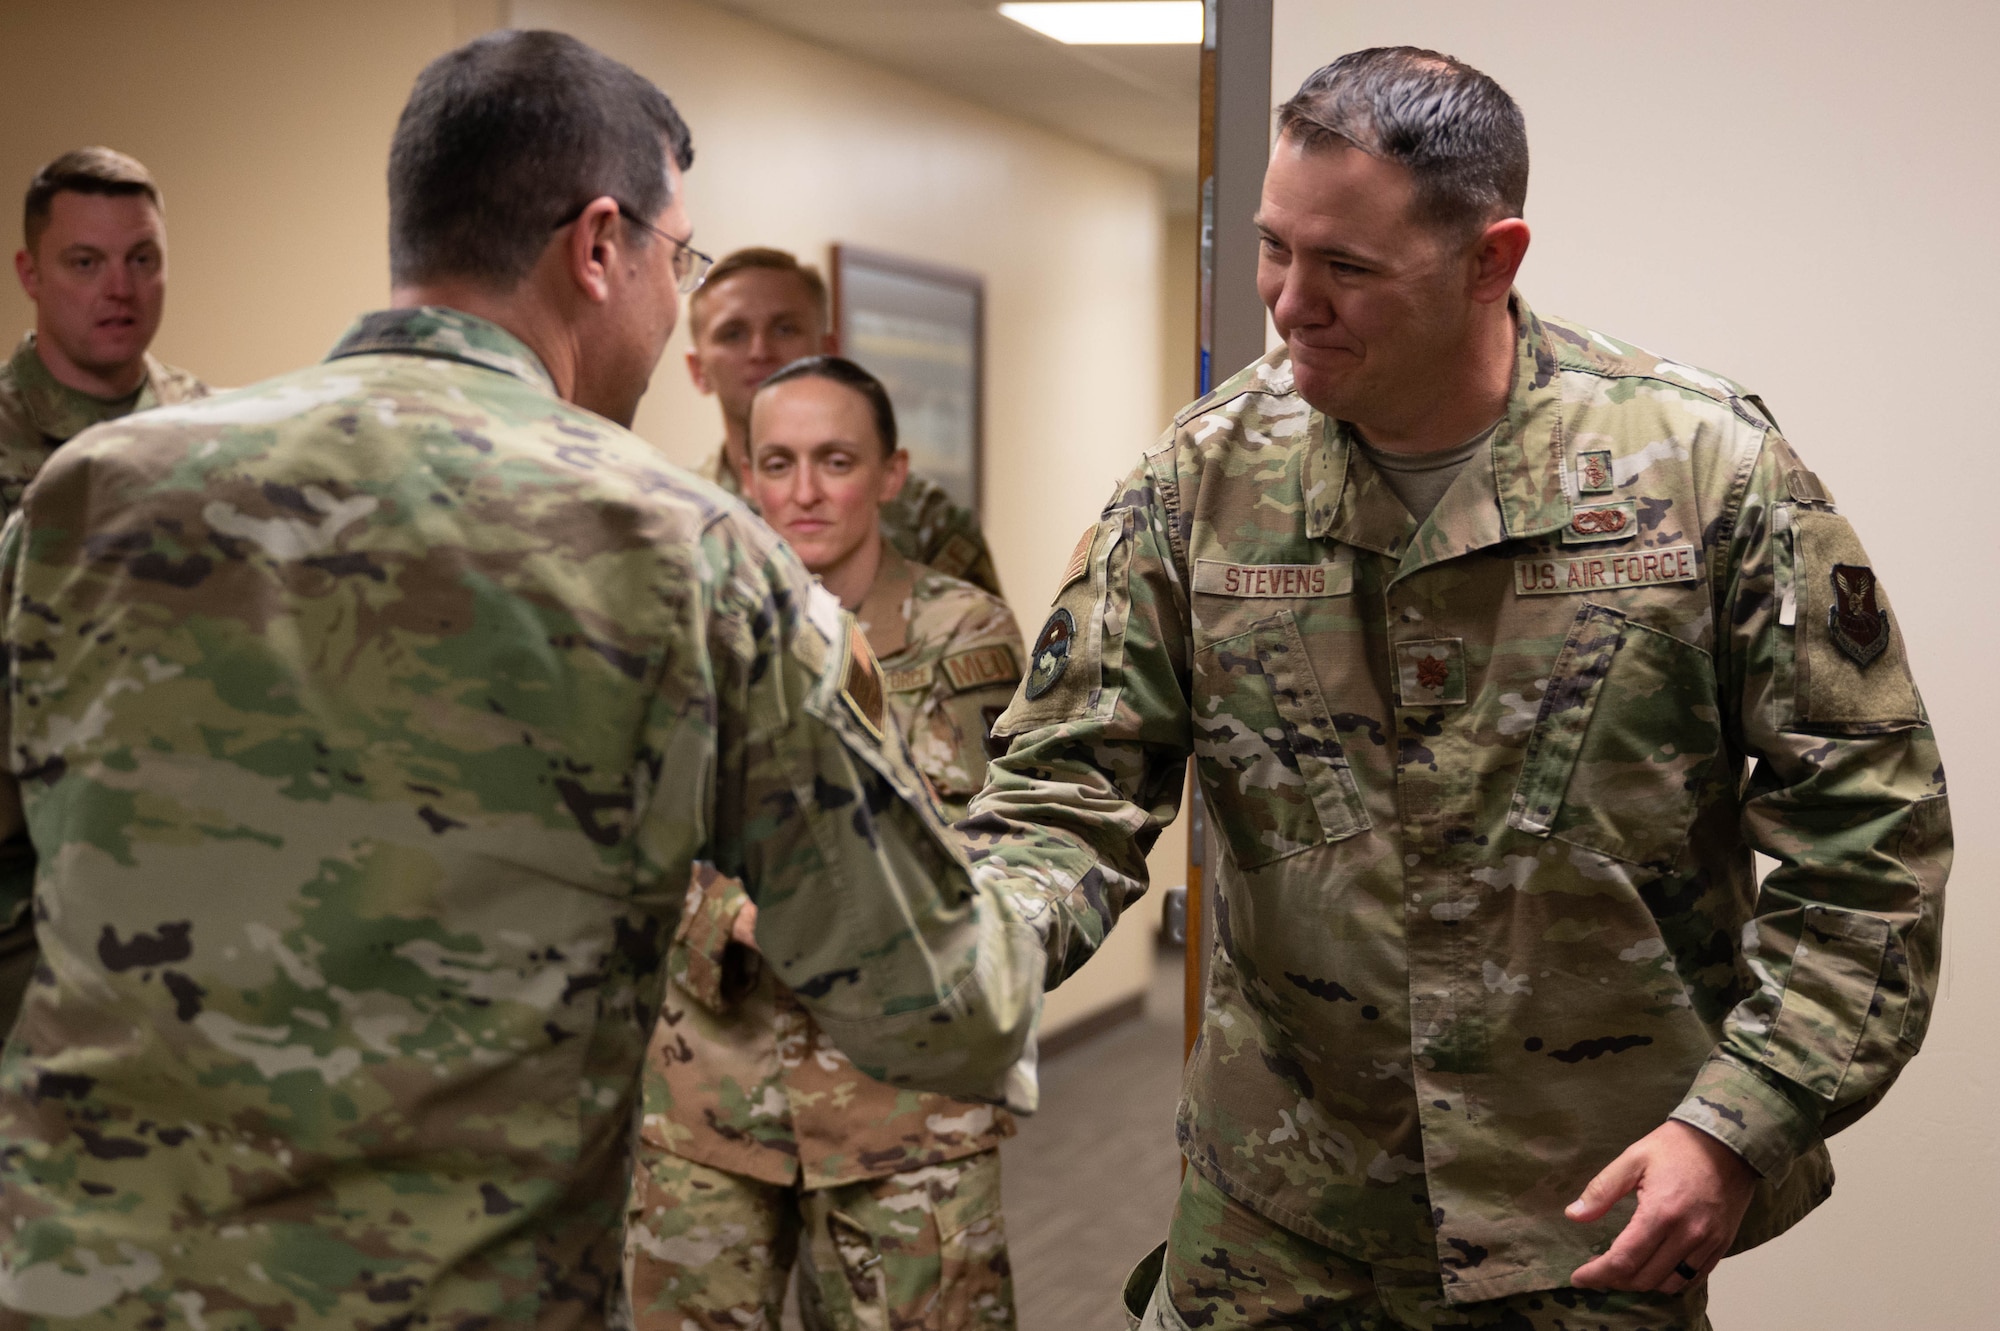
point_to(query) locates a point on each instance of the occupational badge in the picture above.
(1601, 522)
(1593, 472)
(1856, 625)
(1051, 655)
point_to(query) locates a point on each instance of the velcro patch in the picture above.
(913, 680)
(1593, 472)
(1276, 581)
(861, 683)
(959, 554)
(1602, 522)
(1079, 558)
(991, 664)
(1807, 488)
(1591, 573)
(1431, 672)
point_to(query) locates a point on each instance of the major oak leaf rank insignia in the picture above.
(1858, 627)
(1051, 655)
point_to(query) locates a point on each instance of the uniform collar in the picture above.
(724, 475)
(1513, 490)
(61, 412)
(448, 334)
(885, 612)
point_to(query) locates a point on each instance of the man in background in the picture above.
(366, 724)
(93, 259)
(761, 309)
(757, 1127)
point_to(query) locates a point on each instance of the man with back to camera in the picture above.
(761, 309)
(366, 724)
(756, 1127)
(93, 259)
(1473, 620)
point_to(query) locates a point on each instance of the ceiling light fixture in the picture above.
(1113, 22)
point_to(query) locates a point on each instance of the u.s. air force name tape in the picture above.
(1276, 581)
(1590, 573)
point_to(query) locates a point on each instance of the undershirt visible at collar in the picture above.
(1420, 479)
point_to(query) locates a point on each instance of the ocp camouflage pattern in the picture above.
(1487, 912)
(738, 1075)
(366, 724)
(38, 412)
(921, 522)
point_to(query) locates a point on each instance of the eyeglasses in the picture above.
(690, 264)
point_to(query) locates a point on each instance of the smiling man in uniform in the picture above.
(1474, 620)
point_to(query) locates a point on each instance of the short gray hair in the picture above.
(1456, 130)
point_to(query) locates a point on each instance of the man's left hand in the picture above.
(1693, 1192)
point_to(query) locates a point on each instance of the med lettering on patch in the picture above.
(1589, 573)
(1276, 581)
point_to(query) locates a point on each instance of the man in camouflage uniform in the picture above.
(365, 725)
(762, 1143)
(761, 309)
(93, 259)
(1491, 952)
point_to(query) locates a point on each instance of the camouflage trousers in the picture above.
(923, 1250)
(1224, 1267)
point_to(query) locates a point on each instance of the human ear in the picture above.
(1496, 259)
(894, 474)
(31, 279)
(593, 248)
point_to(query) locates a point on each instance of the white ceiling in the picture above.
(1139, 102)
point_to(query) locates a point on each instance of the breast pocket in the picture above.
(1627, 729)
(1270, 761)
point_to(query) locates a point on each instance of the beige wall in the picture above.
(268, 126)
(1802, 196)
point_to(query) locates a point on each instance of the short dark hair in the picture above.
(509, 134)
(1456, 130)
(767, 260)
(82, 171)
(846, 373)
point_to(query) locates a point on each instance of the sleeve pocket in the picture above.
(1828, 995)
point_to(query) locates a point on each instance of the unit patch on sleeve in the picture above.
(1051, 655)
(1859, 628)
(1276, 581)
(991, 664)
(1589, 573)
(1593, 472)
(1602, 522)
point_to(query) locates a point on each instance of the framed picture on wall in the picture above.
(920, 329)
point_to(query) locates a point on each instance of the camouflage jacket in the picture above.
(37, 413)
(1487, 911)
(366, 739)
(739, 1076)
(921, 523)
